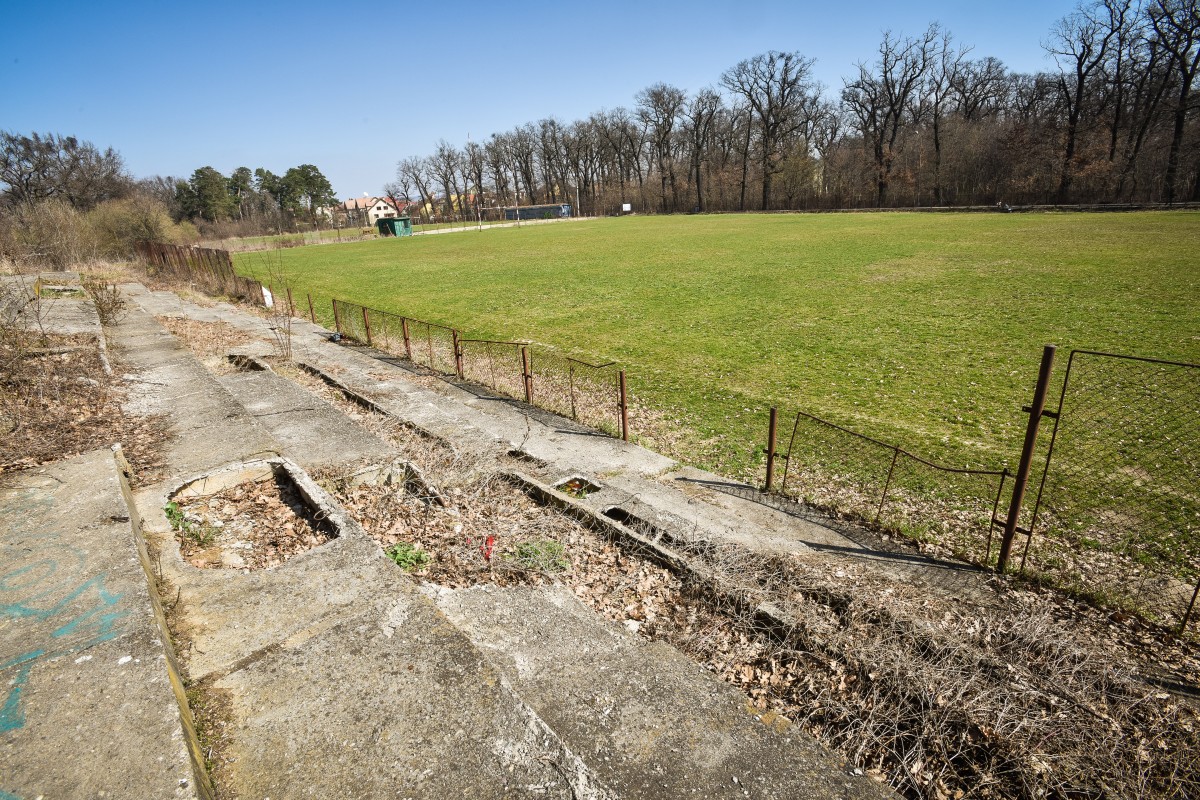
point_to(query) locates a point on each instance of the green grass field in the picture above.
(921, 329)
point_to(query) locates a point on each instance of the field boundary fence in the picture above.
(594, 394)
(1116, 512)
(834, 469)
(210, 269)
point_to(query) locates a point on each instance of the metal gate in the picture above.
(1117, 513)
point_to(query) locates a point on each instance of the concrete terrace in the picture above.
(341, 675)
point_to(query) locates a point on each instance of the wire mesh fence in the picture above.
(495, 364)
(592, 394)
(1117, 515)
(585, 392)
(837, 470)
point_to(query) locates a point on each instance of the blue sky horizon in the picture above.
(268, 84)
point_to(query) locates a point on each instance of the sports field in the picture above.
(920, 329)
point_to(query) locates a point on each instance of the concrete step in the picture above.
(90, 699)
(311, 431)
(208, 426)
(343, 680)
(647, 720)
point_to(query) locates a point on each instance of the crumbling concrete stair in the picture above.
(647, 720)
(344, 679)
(91, 704)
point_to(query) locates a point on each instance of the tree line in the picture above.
(924, 122)
(65, 200)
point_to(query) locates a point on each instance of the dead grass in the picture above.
(940, 698)
(57, 401)
(209, 341)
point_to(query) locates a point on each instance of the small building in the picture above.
(368, 210)
(554, 211)
(394, 226)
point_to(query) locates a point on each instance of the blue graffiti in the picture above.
(31, 593)
(6, 796)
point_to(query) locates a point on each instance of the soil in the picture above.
(254, 525)
(57, 401)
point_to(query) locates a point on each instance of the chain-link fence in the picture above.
(592, 394)
(842, 472)
(1117, 515)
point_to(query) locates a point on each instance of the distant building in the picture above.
(368, 210)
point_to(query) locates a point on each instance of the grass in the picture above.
(407, 556)
(921, 329)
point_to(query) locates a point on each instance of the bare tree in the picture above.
(1080, 44)
(1177, 25)
(780, 90)
(944, 65)
(880, 98)
(416, 170)
(698, 116)
(658, 108)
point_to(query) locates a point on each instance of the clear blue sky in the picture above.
(353, 89)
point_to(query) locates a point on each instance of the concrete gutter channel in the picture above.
(342, 677)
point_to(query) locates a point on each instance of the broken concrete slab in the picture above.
(647, 720)
(209, 427)
(392, 701)
(343, 679)
(93, 705)
(311, 431)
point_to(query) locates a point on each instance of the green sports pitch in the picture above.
(924, 330)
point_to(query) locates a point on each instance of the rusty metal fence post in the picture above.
(1036, 411)
(407, 339)
(624, 407)
(526, 375)
(291, 305)
(367, 324)
(772, 429)
(312, 313)
(887, 484)
(458, 352)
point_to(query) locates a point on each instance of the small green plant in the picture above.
(544, 555)
(175, 516)
(408, 557)
(202, 535)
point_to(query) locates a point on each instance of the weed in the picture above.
(408, 557)
(201, 535)
(543, 555)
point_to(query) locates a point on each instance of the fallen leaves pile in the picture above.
(57, 401)
(253, 525)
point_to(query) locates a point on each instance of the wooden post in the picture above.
(772, 427)
(367, 325)
(458, 353)
(1023, 468)
(407, 340)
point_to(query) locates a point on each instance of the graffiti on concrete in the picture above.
(58, 603)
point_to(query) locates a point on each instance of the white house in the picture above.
(366, 210)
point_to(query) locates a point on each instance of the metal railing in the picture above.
(592, 394)
(840, 471)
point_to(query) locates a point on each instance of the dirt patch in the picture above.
(209, 341)
(57, 401)
(253, 525)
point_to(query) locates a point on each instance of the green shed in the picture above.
(394, 226)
